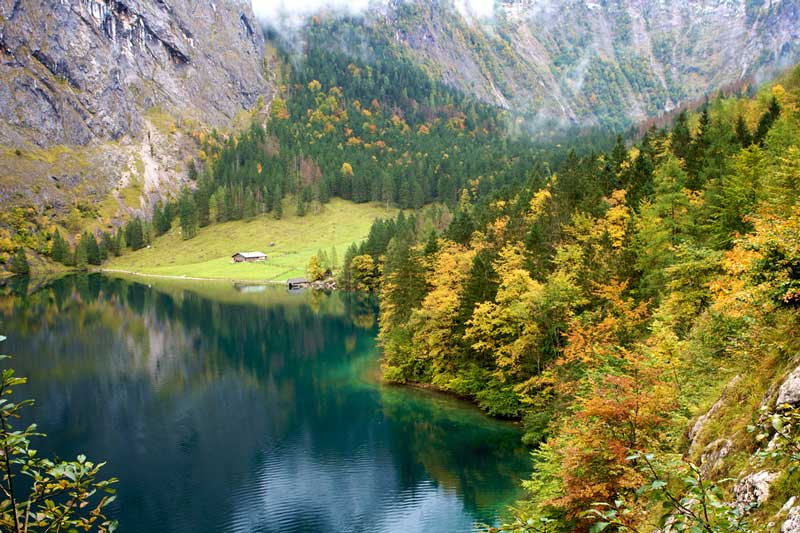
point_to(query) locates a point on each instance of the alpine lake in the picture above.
(247, 408)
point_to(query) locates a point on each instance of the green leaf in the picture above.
(598, 527)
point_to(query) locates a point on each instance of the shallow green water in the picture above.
(225, 408)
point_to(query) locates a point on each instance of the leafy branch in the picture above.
(60, 495)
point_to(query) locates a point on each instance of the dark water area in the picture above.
(237, 409)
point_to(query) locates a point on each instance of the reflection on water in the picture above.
(223, 409)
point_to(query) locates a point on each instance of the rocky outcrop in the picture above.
(753, 490)
(72, 71)
(792, 523)
(789, 391)
(713, 456)
(697, 428)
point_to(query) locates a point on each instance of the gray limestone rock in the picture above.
(72, 71)
(789, 392)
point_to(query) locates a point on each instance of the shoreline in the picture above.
(430, 388)
(188, 278)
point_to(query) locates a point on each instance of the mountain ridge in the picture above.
(609, 64)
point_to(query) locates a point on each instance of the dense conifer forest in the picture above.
(593, 304)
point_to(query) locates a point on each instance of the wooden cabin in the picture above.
(249, 257)
(297, 283)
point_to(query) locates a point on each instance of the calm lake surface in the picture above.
(224, 408)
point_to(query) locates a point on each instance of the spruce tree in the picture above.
(188, 215)
(334, 258)
(81, 260)
(743, 134)
(119, 242)
(767, 119)
(618, 155)
(697, 152)
(92, 249)
(202, 200)
(135, 234)
(106, 245)
(59, 250)
(158, 218)
(277, 207)
(19, 263)
(432, 245)
(681, 137)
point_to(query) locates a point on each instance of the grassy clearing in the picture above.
(296, 239)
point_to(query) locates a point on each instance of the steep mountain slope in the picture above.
(77, 70)
(609, 63)
(102, 97)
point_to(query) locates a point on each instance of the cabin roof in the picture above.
(294, 281)
(250, 255)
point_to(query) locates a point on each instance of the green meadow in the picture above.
(289, 244)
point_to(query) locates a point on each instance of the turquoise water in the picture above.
(238, 409)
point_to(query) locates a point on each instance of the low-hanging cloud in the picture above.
(290, 12)
(279, 12)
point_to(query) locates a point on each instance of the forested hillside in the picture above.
(388, 105)
(378, 129)
(576, 63)
(608, 307)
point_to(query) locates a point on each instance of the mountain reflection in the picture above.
(222, 409)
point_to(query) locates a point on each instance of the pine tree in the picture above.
(19, 263)
(119, 242)
(432, 245)
(135, 234)
(106, 245)
(59, 250)
(697, 152)
(618, 155)
(346, 276)
(188, 215)
(277, 207)
(249, 204)
(681, 137)
(404, 281)
(159, 220)
(89, 241)
(334, 259)
(743, 133)
(767, 119)
(202, 199)
(81, 260)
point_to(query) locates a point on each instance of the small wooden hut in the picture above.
(249, 257)
(297, 283)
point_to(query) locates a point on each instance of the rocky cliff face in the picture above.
(72, 71)
(102, 101)
(610, 62)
